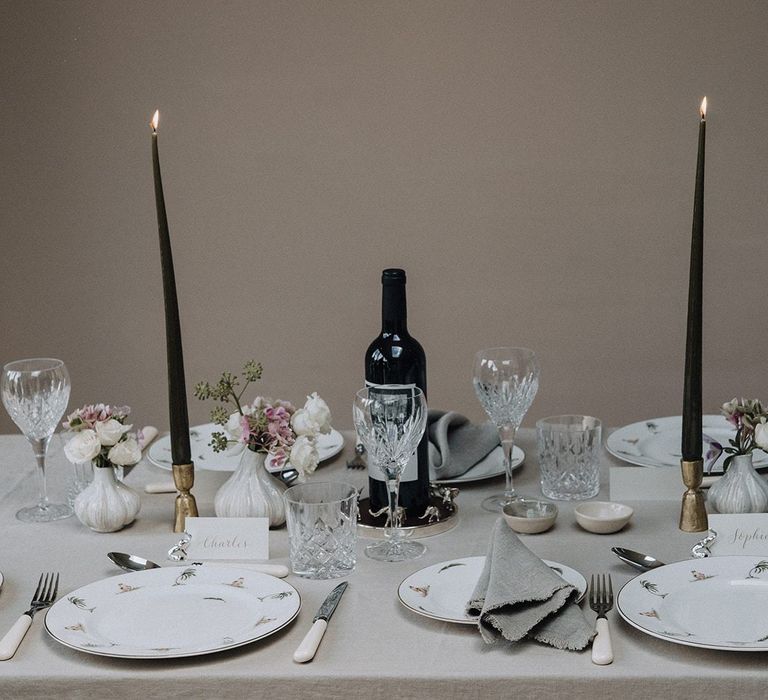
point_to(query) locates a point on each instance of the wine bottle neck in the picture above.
(394, 314)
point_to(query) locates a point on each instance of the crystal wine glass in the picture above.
(390, 424)
(35, 393)
(506, 381)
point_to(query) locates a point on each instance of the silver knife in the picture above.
(306, 650)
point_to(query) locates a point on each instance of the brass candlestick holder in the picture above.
(184, 478)
(693, 512)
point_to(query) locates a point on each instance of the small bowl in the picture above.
(530, 515)
(602, 517)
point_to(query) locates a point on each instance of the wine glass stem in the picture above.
(392, 532)
(40, 448)
(507, 435)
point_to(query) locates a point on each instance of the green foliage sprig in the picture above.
(227, 392)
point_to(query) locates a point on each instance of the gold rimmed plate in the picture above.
(656, 442)
(441, 591)
(172, 612)
(714, 603)
(227, 461)
(491, 466)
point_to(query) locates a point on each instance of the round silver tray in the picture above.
(373, 527)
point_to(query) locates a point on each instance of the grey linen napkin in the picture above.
(518, 595)
(455, 444)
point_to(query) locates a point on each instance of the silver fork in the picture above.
(601, 601)
(358, 461)
(45, 594)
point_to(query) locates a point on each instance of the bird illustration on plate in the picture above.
(275, 596)
(263, 620)
(699, 576)
(80, 603)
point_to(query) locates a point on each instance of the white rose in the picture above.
(125, 453)
(234, 426)
(302, 423)
(761, 435)
(304, 455)
(110, 431)
(83, 447)
(319, 412)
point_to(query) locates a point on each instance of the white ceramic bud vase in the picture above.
(251, 492)
(740, 490)
(106, 504)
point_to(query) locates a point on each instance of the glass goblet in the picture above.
(390, 424)
(506, 381)
(35, 393)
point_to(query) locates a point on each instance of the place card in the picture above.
(742, 533)
(232, 539)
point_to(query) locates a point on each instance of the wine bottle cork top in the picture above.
(393, 274)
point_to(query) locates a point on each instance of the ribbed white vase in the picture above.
(106, 504)
(740, 490)
(251, 492)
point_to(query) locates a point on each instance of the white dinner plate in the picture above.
(441, 591)
(205, 458)
(715, 603)
(490, 466)
(656, 442)
(172, 612)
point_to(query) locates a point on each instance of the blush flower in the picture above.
(749, 418)
(83, 446)
(99, 435)
(265, 425)
(110, 431)
(761, 434)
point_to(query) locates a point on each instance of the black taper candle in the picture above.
(177, 391)
(692, 404)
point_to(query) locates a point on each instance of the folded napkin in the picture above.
(455, 444)
(518, 595)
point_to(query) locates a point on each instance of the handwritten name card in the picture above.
(743, 533)
(228, 538)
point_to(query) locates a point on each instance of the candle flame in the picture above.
(156, 120)
(703, 108)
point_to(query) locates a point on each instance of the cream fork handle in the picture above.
(602, 649)
(10, 643)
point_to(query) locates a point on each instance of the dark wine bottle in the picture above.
(396, 359)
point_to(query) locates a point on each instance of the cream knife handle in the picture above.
(160, 487)
(306, 650)
(10, 643)
(278, 570)
(602, 649)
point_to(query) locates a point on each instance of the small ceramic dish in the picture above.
(602, 517)
(530, 515)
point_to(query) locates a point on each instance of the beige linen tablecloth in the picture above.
(374, 648)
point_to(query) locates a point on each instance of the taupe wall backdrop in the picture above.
(530, 164)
